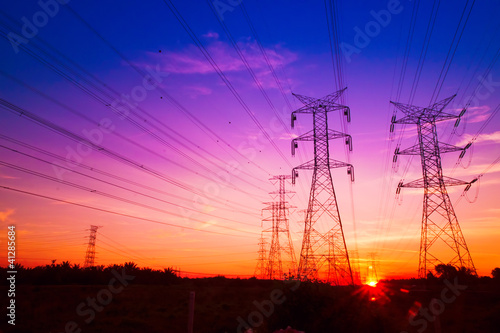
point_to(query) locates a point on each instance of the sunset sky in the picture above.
(181, 180)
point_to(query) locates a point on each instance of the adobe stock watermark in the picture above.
(30, 27)
(264, 309)
(222, 6)
(488, 84)
(372, 29)
(484, 90)
(87, 310)
(122, 106)
(436, 307)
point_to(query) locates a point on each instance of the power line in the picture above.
(446, 66)
(221, 74)
(98, 192)
(105, 182)
(116, 156)
(117, 213)
(106, 103)
(107, 174)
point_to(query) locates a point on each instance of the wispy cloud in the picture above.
(475, 170)
(5, 215)
(207, 224)
(195, 91)
(211, 34)
(478, 114)
(486, 137)
(4, 176)
(288, 136)
(191, 61)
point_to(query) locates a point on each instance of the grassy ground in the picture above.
(223, 304)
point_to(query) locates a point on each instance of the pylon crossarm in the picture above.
(442, 116)
(333, 165)
(269, 207)
(332, 134)
(334, 96)
(407, 109)
(306, 100)
(304, 166)
(447, 148)
(310, 101)
(408, 120)
(309, 136)
(448, 181)
(420, 183)
(413, 150)
(329, 107)
(429, 112)
(442, 103)
(338, 164)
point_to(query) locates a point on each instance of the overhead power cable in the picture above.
(109, 174)
(116, 156)
(221, 74)
(117, 213)
(111, 184)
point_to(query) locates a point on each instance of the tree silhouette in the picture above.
(67, 273)
(447, 272)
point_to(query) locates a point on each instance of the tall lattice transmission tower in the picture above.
(281, 262)
(324, 253)
(442, 241)
(260, 269)
(371, 273)
(90, 254)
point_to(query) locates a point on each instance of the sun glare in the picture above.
(372, 283)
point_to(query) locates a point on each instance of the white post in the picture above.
(191, 312)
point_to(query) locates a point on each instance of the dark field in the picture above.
(223, 304)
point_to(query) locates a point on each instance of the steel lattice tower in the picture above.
(90, 254)
(442, 241)
(281, 262)
(324, 253)
(371, 275)
(260, 269)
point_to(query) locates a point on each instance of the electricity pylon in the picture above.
(442, 241)
(260, 269)
(281, 262)
(90, 254)
(324, 253)
(371, 276)
(356, 271)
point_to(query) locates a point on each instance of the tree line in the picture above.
(67, 273)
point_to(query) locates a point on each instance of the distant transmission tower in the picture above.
(356, 270)
(260, 269)
(281, 262)
(441, 240)
(90, 254)
(324, 253)
(371, 276)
